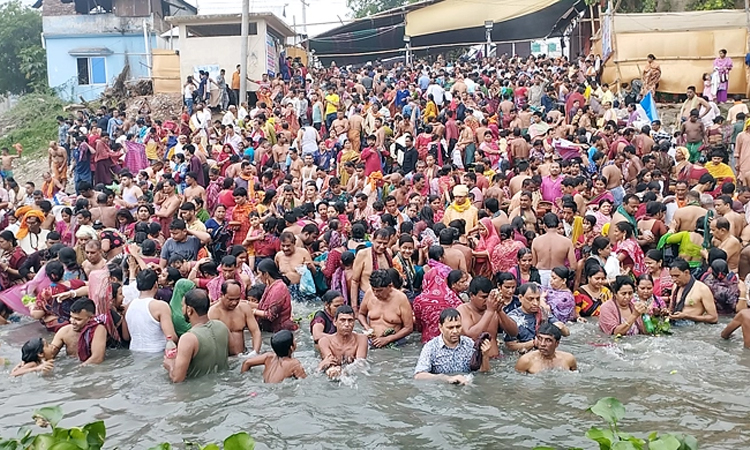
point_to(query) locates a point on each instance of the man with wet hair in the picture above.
(448, 357)
(551, 249)
(483, 313)
(526, 317)
(237, 315)
(385, 312)
(366, 262)
(205, 348)
(344, 346)
(546, 356)
(84, 337)
(692, 301)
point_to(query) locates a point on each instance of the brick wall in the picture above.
(58, 8)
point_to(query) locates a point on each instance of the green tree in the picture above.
(364, 8)
(21, 54)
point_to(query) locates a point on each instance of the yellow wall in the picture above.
(684, 57)
(166, 71)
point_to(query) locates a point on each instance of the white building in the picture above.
(212, 42)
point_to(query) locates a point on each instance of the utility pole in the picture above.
(304, 17)
(244, 30)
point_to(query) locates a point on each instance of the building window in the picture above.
(91, 71)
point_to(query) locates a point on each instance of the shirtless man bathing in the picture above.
(385, 311)
(692, 300)
(546, 356)
(344, 346)
(551, 249)
(366, 262)
(236, 315)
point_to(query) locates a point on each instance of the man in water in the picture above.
(344, 346)
(448, 357)
(551, 249)
(484, 314)
(366, 262)
(692, 300)
(288, 259)
(385, 311)
(236, 315)
(82, 326)
(205, 348)
(526, 318)
(546, 356)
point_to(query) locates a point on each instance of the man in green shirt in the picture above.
(205, 348)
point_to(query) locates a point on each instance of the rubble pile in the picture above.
(159, 106)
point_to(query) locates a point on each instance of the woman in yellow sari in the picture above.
(720, 171)
(347, 155)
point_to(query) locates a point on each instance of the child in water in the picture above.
(279, 364)
(32, 359)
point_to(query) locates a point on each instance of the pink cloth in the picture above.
(13, 297)
(435, 297)
(551, 189)
(610, 318)
(135, 157)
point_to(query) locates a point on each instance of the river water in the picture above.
(691, 382)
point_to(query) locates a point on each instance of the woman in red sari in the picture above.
(50, 309)
(274, 311)
(11, 259)
(435, 297)
(627, 249)
(504, 255)
(488, 240)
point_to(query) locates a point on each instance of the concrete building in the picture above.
(90, 42)
(212, 42)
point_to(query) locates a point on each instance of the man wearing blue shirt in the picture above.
(528, 317)
(448, 357)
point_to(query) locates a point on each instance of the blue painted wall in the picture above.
(62, 69)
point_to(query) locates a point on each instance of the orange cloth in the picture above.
(23, 230)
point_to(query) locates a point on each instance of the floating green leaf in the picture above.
(162, 446)
(605, 438)
(239, 441)
(666, 442)
(97, 433)
(609, 409)
(65, 446)
(624, 445)
(51, 414)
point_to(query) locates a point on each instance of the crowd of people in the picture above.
(481, 204)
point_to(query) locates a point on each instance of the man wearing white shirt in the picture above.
(229, 117)
(242, 112)
(233, 139)
(436, 91)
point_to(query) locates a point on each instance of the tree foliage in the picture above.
(364, 8)
(21, 54)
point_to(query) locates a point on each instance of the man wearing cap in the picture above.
(461, 208)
